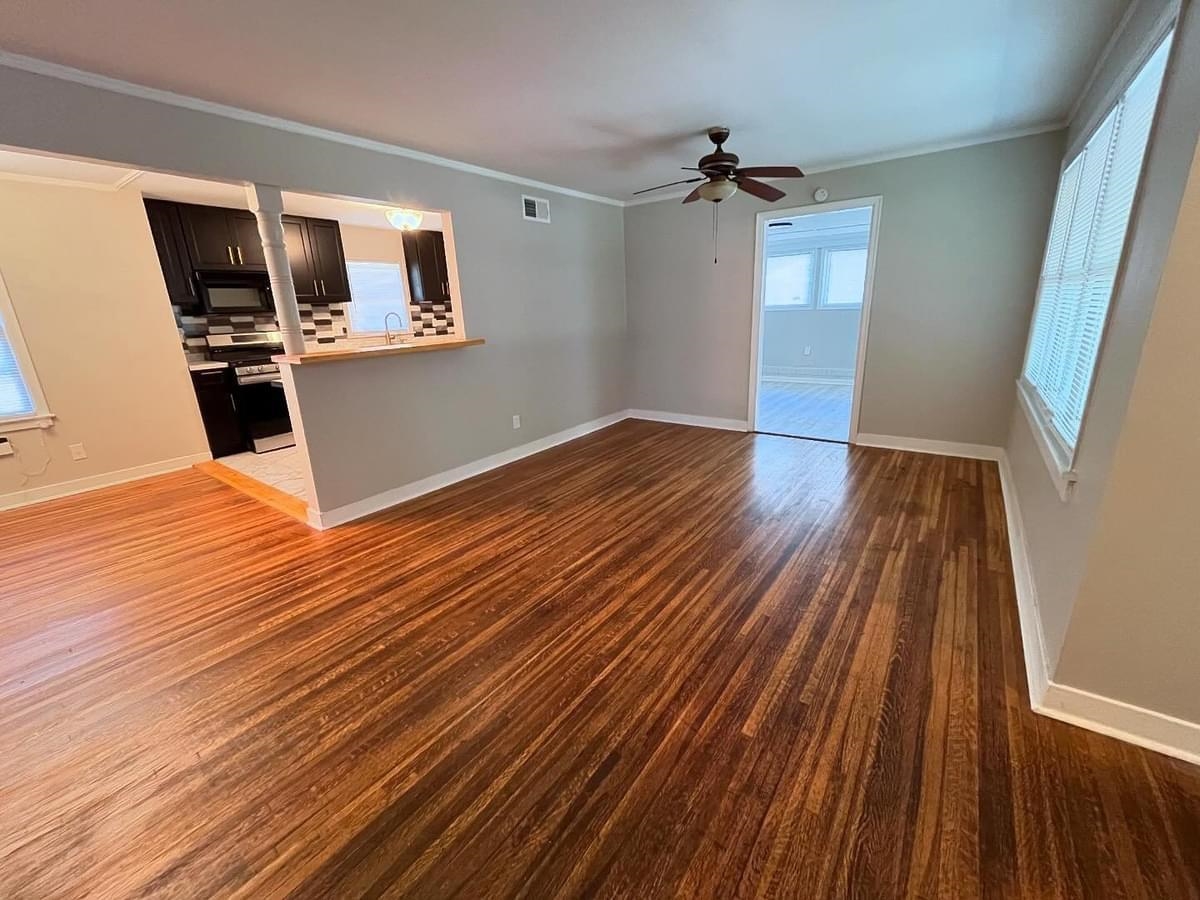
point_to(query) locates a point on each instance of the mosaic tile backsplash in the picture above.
(322, 323)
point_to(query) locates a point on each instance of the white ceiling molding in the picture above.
(882, 158)
(142, 92)
(58, 182)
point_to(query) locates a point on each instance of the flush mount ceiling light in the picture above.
(405, 219)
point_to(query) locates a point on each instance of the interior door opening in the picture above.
(813, 296)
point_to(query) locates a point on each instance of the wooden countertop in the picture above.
(350, 353)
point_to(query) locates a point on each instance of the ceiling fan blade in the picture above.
(759, 189)
(669, 184)
(771, 172)
(693, 196)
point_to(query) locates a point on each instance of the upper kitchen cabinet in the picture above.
(304, 273)
(425, 256)
(220, 238)
(328, 259)
(169, 241)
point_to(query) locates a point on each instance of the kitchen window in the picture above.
(22, 404)
(376, 289)
(1091, 215)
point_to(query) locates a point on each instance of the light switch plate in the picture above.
(77, 451)
(6, 447)
(516, 422)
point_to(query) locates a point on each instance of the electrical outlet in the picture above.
(77, 451)
(808, 351)
(516, 422)
(6, 447)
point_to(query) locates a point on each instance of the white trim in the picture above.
(1058, 467)
(670, 418)
(1101, 60)
(324, 519)
(52, 181)
(1155, 731)
(922, 445)
(27, 423)
(909, 153)
(1033, 642)
(1136, 725)
(758, 309)
(26, 496)
(155, 95)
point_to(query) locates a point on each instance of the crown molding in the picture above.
(130, 89)
(104, 187)
(921, 150)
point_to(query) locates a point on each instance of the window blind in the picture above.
(15, 400)
(376, 289)
(1083, 252)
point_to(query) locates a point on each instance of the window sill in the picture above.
(1059, 468)
(27, 423)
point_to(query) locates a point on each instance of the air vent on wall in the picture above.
(535, 209)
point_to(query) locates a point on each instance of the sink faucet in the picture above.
(387, 329)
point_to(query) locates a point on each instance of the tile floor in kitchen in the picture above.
(282, 469)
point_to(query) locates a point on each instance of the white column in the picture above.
(266, 202)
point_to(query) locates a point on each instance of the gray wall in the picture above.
(1058, 533)
(831, 334)
(549, 299)
(959, 251)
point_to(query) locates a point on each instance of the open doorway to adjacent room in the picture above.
(812, 297)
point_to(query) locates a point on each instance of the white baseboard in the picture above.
(340, 515)
(1155, 731)
(805, 374)
(651, 415)
(920, 445)
(27, 496)
(1037, 668)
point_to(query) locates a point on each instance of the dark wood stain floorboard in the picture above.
(655, 662)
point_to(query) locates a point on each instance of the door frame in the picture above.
(875, 202)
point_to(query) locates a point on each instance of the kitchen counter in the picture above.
(343, 354)
(206, 365)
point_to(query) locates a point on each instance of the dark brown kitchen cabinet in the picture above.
(214, 395)
(169, 241)
(328, 259)
(304, 275)
(219, 238)
(425, 257)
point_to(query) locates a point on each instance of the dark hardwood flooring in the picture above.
(656, 662)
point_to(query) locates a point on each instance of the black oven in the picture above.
(225, 293)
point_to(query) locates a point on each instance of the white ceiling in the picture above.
(103, 176)
(604, 96)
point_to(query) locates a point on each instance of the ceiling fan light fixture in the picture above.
(718, 190)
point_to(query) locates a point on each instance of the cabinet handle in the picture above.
(191, 287)
(240, 260)
(229, 250)
(323, 287)
(316, 290)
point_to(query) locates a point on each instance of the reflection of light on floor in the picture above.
(805, 409)
(797, 477)
(282, 469)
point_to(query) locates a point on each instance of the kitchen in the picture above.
(363, 274)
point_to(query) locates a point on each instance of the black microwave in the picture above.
(225, 293)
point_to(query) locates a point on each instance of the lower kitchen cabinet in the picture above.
(214, 394)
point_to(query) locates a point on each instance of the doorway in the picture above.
(813, 277)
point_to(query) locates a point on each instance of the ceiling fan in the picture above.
(722, 177)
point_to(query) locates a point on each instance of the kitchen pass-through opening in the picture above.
(812, 300)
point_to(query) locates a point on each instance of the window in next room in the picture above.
(376, 289)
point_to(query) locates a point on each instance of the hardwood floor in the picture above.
(656, 662)
(805, 409)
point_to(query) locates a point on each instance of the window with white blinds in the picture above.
(1087, 236)
(15, 399)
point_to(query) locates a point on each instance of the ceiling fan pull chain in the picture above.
(715, 207)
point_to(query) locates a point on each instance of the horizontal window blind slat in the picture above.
(15, 399)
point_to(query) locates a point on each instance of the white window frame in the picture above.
(41, 417)
(406, 311)
(1060, 457)
(819, 249)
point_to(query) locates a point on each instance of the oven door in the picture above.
(225, 293)
(262, 408)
